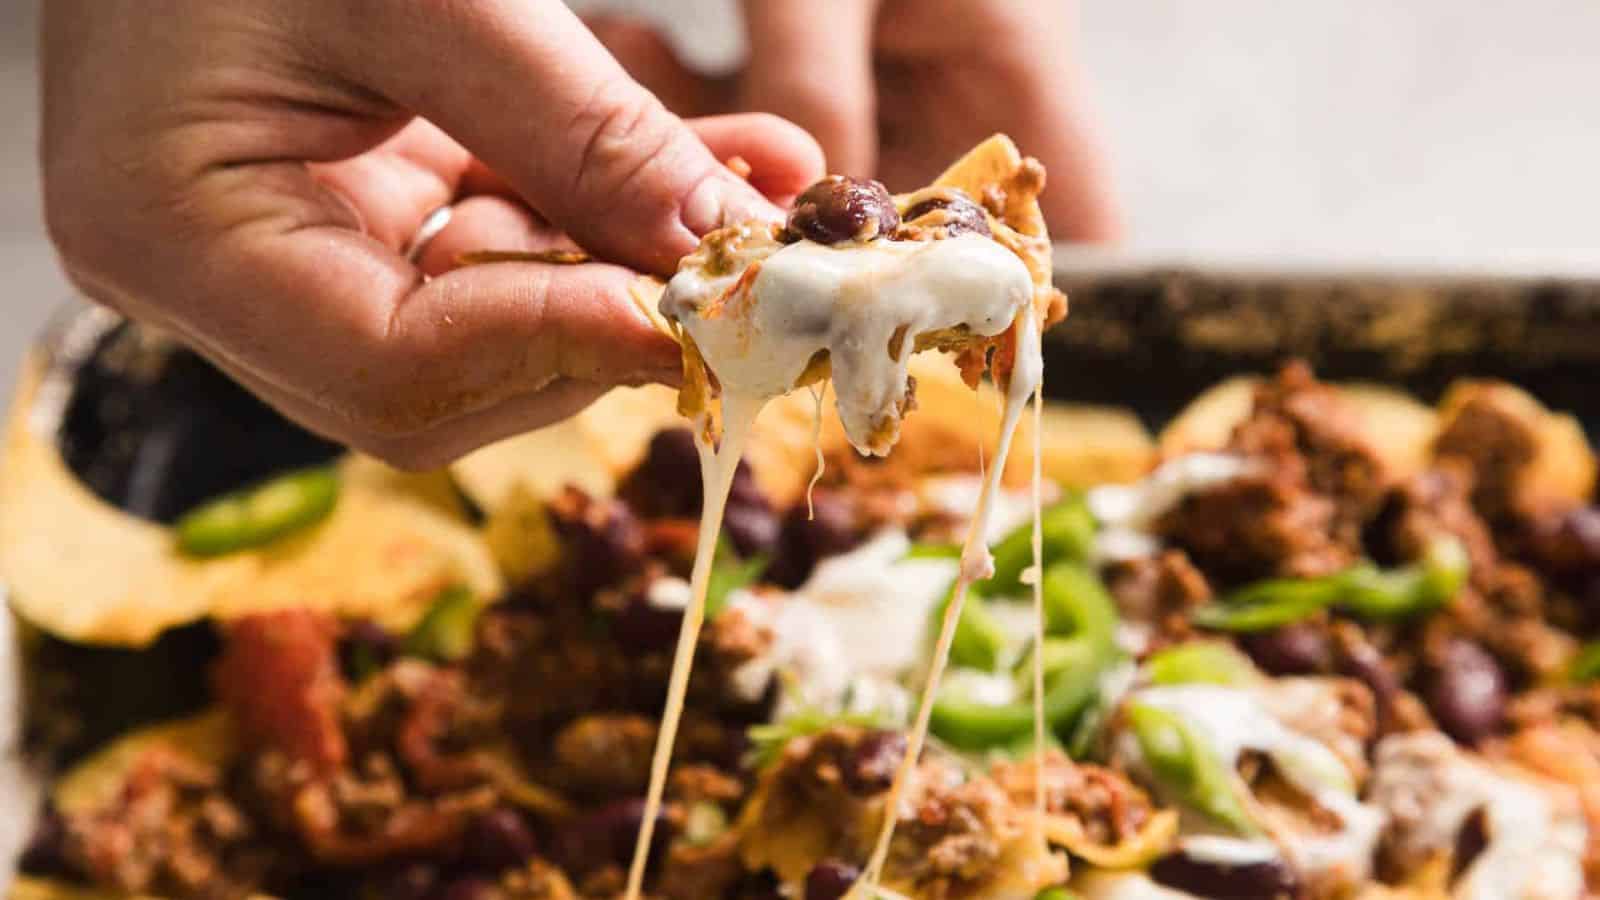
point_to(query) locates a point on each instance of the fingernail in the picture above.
(722, 199)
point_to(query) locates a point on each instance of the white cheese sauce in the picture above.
(1429, 788)
(852, 301)
(1128, 512)
(1232, 720)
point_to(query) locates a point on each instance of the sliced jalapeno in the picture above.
(1586, 665)
(1269, 604)
(979, 640)
(1067, 533)
(1075, 604)
(1420, 587)
(1207, 662)
(1182, 760)
(259, 515)
(446, 630)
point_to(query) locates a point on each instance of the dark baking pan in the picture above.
(1150, 334)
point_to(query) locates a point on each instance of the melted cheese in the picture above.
(759, 324)
(1233, 720)
(1429, 788)
(1128, 512)
(863, 303)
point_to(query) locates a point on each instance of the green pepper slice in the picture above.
(1206, 662)
(1270, 604)
(979, 640)
(1075, 604)
(1183, 761)
(1066, 530)
(446, 630)
(259, 515)
(1586, 665)
(1055, 893)
(1410, 590)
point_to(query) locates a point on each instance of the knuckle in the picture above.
(622, 134)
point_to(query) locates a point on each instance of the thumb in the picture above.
(536, 97)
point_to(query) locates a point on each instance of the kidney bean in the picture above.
(46, 851)
(667, 481)
(830, 879)
(499, 840)
(607, 835)
(1569, 542)
(873, 762)
(644, 627)
(951, 211)
(1471, 840)
(1272, 880)
(1466, 692)
(804, 542)
(840, 208)
(753, 529)
(1300, 648)
(604, 542)
(413, 881)
(466, 888)
(1355, 657)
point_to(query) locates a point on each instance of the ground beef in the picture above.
(172, 831)
(1257, 526)
(1161, 591)
(1434, 503)
(1303, 425)
(605, 754)
(1110, 808)
(1491, 434)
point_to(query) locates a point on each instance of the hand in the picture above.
(900, 88)
(245, 173)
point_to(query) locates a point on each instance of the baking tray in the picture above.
(153, 429)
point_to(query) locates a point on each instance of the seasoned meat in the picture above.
(607, 754)
(1161, 591)
(1300, 423)
(1108, 806)
(1257, 526)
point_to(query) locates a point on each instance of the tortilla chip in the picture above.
(25, 888)
(83, 570)
(1398, 426)
(98, 779)
(1562, 472)
(1209, 419)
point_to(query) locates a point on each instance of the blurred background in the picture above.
(1367, 131)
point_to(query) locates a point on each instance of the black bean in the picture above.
(830, 879)
(951, 211)
(1270, 880)
(1297, 649)
(466, 888)
(839, 208)
(498, 840)
(804, 542)
(872, 764)
(645, 627)
(606, 835)
(413, 881)
(364, 648)
(46, 851)
(1467, 692)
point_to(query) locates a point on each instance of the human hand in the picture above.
(246, 174)
(898, 88)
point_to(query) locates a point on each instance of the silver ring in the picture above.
(432, 224)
